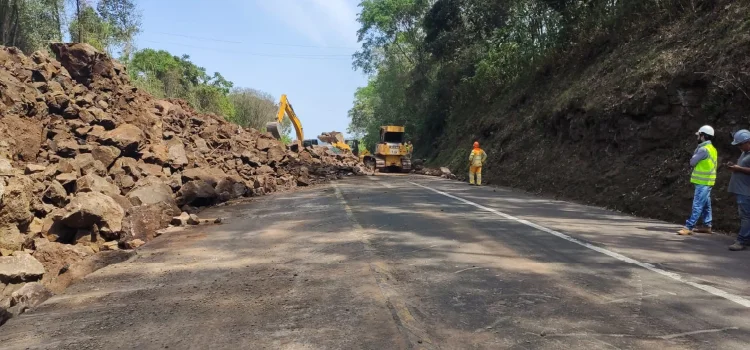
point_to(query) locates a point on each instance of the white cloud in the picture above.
(324, 22)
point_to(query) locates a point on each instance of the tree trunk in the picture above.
(78, 21)
(13, 40)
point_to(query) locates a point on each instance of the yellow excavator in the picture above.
(285, 108)
(336, 139)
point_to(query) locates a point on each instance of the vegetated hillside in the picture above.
(613, 123)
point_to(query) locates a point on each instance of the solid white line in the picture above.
(712, 290)
(471, 268)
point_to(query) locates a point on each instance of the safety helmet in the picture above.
(741, 137)
(706, 129)
(476, 144)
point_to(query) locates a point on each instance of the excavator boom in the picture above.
(285, 108)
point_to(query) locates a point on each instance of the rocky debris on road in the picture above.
(88, 160)
(28, 296)
(186, 219)
(443, 172)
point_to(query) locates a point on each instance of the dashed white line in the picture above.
(709, 289)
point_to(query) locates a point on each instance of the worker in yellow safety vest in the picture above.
(704, 162)
(476, 160)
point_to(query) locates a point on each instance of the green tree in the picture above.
(253, 108)
(124, 21)
(88, 27)
(109, 26)
(30, 24)
(431, 61)
(169, 76)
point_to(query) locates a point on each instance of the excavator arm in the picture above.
(286, 108)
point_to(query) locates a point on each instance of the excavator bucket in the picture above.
(273, 128)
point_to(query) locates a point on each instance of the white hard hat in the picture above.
(706, 130)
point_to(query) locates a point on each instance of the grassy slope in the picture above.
(615, 128)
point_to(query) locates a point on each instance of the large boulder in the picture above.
(264, 143)
(93, 208)
(276, 153)
(29, 296)
(210, 175)
(83, 62)
(148, 169)
(54, 256)
(55, 194)
(11, 239)
(106, 154)
(125, 166)
(6, 168)
(177, 155)
(157, 154)
(89, 165)
(21, 267)
(264, 170)
(124, 182)
(196, 193)
(126, 137)
(25, 133)
(16, 204)
(251, 158)
(151, 190)
(95, 183)
(143, 221)
(230, 188)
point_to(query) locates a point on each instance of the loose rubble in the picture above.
(90, 165)
(443, 172)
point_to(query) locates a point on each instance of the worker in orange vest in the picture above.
(476, 160)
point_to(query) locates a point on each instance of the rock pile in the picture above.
(443, 172)
(89, 163)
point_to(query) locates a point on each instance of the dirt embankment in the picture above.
(91, 167)
(613, 123)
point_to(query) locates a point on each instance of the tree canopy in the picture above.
(429, 61)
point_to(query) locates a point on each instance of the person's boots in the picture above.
(479, 179)
(703, 229)
(737, 246)
(471, 179)
(685, 232)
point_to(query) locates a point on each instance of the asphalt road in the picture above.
(407, 262)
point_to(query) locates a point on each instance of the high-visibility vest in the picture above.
(704, 172)
(477, 157)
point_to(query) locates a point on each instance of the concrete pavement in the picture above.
(401, 262)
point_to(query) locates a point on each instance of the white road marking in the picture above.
(664, 337)
(709, 289)
(680, 335)
(471, 268)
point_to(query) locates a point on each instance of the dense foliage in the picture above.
(431, 61)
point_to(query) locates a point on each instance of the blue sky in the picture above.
(301, 48)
